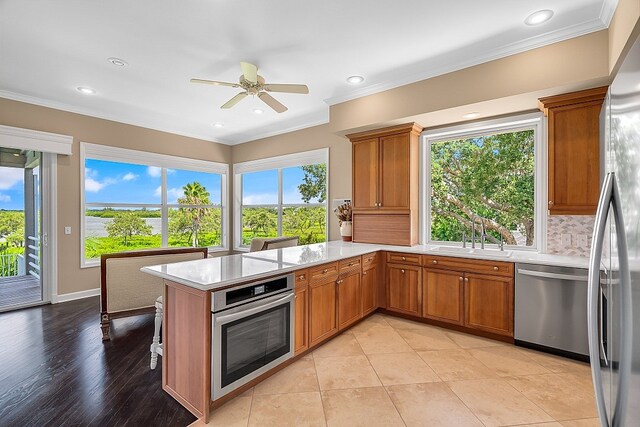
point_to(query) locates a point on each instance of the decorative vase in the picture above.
(346, 230)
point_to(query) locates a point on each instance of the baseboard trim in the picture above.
(55, 299)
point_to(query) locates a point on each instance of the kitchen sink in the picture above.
(476, 251)
(453, 250)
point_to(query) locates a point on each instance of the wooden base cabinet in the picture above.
(349, 299)
(404, 288)
(369, 289)
(301, 339)
(323, 319)
(443, 296)
(489, 303)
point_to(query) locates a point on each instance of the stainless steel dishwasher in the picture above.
(551, 309)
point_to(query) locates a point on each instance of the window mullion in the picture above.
(279, 201)
(164, 209)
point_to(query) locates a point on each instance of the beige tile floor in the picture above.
(388, 371)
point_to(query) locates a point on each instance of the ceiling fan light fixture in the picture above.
(539, 17)
(218, 125)
(355, 80)
(117, 61)
(86, 90)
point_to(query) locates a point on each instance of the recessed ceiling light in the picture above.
(86, 90)
(16, 154)
(355, 80)
(218, 125)
(258, 111)
(539, 17)
(471, 115)
(117, 61)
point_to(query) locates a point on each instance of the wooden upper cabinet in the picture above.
(394, 172)
(573, 145)
(385, 182)
(365, 174)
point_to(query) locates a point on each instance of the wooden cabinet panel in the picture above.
(365, 174)
(301, 338)
(323, 320)
(574, 156)
(348, 264)
(349, 299)
(369, 259)
(404, 259)
(394, 174)
(323, 272)
(494, 268)
(369, 285)
(443, 296)
(404, 288)
(302, 278)
(489, 303)
(387, 229)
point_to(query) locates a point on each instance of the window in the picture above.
(282, 196)
(484, 177)
(135, 200)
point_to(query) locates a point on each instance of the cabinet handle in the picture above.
(339, 281)
(364, 273)
(402, 271)
(466, 279)
(369, 259)
(324, 271)
(550, 202)
(301, 277)
(295, 297)
(495, 268)
(404, 258)
(350, 264)
(435, 261)
(460, 278)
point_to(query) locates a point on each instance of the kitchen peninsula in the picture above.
(333, 286)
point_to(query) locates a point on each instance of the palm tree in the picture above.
(194, 195)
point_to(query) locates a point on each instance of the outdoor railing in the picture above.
(34, 256)
(9, 265)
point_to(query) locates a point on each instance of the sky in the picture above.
(11, 188)
(112, 182)
(262, 187)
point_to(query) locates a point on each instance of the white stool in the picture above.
(156, 345)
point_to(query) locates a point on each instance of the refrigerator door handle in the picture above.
(594, 293)
(626, 315)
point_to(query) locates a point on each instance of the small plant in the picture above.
(343, 212)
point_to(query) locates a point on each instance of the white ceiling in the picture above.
(48, 48)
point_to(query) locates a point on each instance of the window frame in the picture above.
(278, 163)
(163, 161)
(530, 121)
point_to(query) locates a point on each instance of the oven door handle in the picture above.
(244, 313)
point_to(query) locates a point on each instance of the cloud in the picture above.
(5, 198)
(260, 199)
(154, 171)
(158, 191)
(10, 177)
(130, 177)
(93, 186)
(172, 194)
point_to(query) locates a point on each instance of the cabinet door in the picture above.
(301, 339)
(323, 320)
(349, 300)
(404, 289)
(489, 303)
(365, 173)
(394, 171)
(369, 290)
(443, 296)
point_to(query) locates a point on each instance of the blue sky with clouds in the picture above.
(11, 188)
(261, 188)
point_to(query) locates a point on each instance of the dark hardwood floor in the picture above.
(55, 370)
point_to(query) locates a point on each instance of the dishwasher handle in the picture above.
(559, 276)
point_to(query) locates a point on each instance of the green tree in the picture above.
(127, 224)
(193, 218)
(314, 183)
(12, 228)
(486, 180)
(260, 220)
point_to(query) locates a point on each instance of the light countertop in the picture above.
(213, 273)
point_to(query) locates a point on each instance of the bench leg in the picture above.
(105, 325)
(155, 345)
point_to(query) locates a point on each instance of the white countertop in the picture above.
(213, 273)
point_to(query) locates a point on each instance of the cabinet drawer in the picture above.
(369, 259)
(323, 272)
(302, 278)
(498, 268)
(402, 258)
(349, 264)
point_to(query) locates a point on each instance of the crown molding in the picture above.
(315, 119)
(464, 61)
(91, 113)
(607, 11)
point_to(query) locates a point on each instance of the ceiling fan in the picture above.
(253, 84)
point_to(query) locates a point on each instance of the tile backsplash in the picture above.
(578, 227)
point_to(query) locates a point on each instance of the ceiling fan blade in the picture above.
(215, 83)
(250, 72)
(287, 88)
(272, 102)
(233, 101)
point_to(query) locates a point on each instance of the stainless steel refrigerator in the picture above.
(614, 272)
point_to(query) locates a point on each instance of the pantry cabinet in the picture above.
(385, 175)
(573, 137)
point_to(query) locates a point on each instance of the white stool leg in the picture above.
(155, 345)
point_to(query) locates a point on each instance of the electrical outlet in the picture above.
(565, 239)
(583, 240)
(67, 230)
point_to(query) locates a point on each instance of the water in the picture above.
(95, 226)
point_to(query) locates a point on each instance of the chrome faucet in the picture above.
(464, 239)
(483, 236)
(473, 233)
(501, 243)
